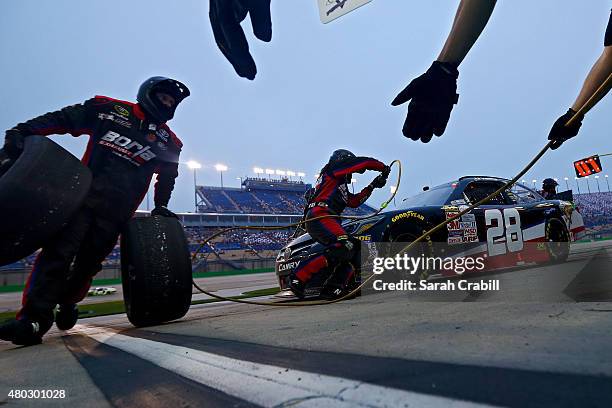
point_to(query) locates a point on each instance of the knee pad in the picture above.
(342, 250)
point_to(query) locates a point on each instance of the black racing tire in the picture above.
(155, 270)
(39, 192)
(421, 248)
(557, 239)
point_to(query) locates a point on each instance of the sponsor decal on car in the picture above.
(408, 214)
(364, 237)
(461, 230)
(287, 266)
(454, 240)
(468, 217)
(364, 228)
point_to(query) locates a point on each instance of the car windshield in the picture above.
(523, 195)
(477, 190)
(436, 196)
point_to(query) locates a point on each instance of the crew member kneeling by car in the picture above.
(330, 197)
(128, 144)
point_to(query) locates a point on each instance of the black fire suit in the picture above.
(125, 149)
(331, 197)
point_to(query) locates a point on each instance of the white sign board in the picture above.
(332, 9)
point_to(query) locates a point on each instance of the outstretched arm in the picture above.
(433, 94)
(596, 77)
(358, 165)
(600, 71)
(355, 200)
(75, 119)
(471, 18)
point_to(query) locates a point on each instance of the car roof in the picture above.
(493, 178)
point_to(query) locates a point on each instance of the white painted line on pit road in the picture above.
(262, 384)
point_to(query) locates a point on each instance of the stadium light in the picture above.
(534, 182)
(221, 168)
(300, 174)
(577, 184)
(291, 173)
(258, 170)
(194, 165)
(270, 172)
(353, 181)
(597, 180)
(607, 182)
(566, 183)
(280, 172)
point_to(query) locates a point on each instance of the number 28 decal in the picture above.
(507, 225)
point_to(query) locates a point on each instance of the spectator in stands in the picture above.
(329, 199)
(128, 144)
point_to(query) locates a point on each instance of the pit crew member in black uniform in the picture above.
(330, 197)
(549, 188)
(128, 143)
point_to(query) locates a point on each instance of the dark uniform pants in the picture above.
(64, 269)
(325, 231)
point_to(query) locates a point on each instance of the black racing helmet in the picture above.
(340, 155)
(549, 183)
(147, 100)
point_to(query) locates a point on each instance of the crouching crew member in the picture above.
(128, 144)
(330, 197)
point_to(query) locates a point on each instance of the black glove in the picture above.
(225, 17)
(433, 95)
(163, 212)
(379, 181)
(386, 171)
(13, 143)
(559, 133)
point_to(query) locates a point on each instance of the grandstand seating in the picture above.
(275, 197)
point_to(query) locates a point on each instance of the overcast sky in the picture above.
(319, 87)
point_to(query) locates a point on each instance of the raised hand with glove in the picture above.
(559, 133)
(381, 180)
(225, 18)
(431, 96)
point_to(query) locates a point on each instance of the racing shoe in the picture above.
(66, 316)
(296, 286)
(23, 332)
(331, 292)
